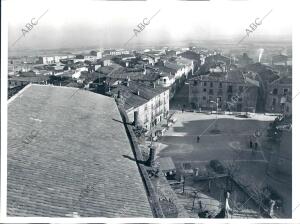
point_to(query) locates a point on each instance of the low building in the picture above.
(182, 67)
(280, 60)
(98, 54)
(244, 60)
(167, 167)
(230, 91)
(65, 156)
(86, 57)
(23, 81)
(53, 59)
(192, 56)
(166, 80)
(113, 52)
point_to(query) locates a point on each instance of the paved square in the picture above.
(180, 141)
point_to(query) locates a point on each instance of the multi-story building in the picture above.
(279, 96)
(230, 91)
(98, 54)
(151, 102)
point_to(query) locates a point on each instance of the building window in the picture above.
(204, 98)
(220, 85)
(285, 91)
(211, 92)
(195, 83)
(204, 84)
(275, 91)
(204, 90)
(165, 81)
(211, 84)
(229, 90)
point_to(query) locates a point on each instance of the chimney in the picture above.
(135, 117)
(196, 172)
(150, 160)
(271, 210)
(127, 80)
(119, 94)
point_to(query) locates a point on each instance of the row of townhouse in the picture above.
(228, 91)
(151, 102)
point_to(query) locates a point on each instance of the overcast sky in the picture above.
(105, 24)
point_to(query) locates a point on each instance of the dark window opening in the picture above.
(230, 89)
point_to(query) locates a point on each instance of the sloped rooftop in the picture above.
(65, 156)
(132, 99)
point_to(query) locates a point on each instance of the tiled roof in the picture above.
(166, 164)
(65, 155)
(230, 76)
(33, 79)
(284, 80)
(134, 76)
(190, 55)
(132, 99)
(266, 73)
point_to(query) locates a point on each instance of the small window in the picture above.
(204, 98)
(275, 91)
(220, 85)
(211, 92)
(204, 90)
(211, 84)
(241, 88)
(195, 82)
(204, 83)
(285, 91)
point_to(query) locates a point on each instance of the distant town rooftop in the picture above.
(65, 156)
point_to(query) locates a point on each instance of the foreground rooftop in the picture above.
(65, 156)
